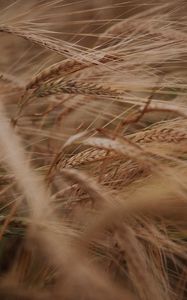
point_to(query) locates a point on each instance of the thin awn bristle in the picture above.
(44, 42)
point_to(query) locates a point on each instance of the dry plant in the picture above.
(93, 150)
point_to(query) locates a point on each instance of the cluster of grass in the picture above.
(93, 149)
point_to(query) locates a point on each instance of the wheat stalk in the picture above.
(159, 134)
(42, 41)
(73, 87)
(66, 67)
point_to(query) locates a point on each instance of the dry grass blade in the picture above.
(15, 158)
(140, 271)
(90, 186)
(163, 107)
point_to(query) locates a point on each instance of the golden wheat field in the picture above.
(93, 150)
